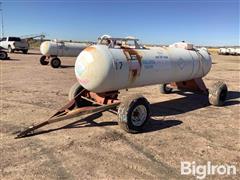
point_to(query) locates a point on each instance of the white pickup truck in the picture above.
(14, 44)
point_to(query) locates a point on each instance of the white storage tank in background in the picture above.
(223, 51)
(205, 49)
(67, 49)
(51, 50)
(237, 50)
(182, 44)
(231, 51)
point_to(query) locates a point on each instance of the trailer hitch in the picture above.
(70, 111)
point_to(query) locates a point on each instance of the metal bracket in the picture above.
(195, 85)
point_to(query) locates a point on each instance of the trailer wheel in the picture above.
(75, 89)
(3, 55)
(43, 60)
(218, 94)
(164, 89)
(55, 63)
(133, 114)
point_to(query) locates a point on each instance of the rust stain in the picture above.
(134, 70)
(93, 51)
(90, 48)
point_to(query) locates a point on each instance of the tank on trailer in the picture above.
(126, 64)
(52, 50)
(122, 63)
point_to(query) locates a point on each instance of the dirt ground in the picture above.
(183, 127)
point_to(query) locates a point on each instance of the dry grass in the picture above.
(213, 50)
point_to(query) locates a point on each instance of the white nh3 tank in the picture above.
(223, 51)
(237, 51)
(231, 51)
(120, 63)
(67, 49)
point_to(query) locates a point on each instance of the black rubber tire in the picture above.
(42, 60)
(25, 51)
(3, 55)
(164, 89)
(126, 109)
(55, 62)
(218, 94)
(10, 50)
(75, 89)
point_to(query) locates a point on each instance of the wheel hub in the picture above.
(2, 56)
(55, 63)
(139, 115)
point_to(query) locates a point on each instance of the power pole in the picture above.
(2, 29)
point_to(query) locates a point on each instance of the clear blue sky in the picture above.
(206, 22)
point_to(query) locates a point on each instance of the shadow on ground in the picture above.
(67, 66)
(10, 59)
(33, 53)
(152, 125)
(156, 125)
(188, 102)
(29, 53)
(232, 98)
(84, 122)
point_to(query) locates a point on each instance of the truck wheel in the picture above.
(43, 60)
(75, 89)
(164, 89)
(25, 51)
(3, 55)
(218, 94)
(133, 114)
(10, 50)
(55, 63)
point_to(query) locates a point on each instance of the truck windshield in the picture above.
(14, 39)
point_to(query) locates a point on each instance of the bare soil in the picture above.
(183, 127)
